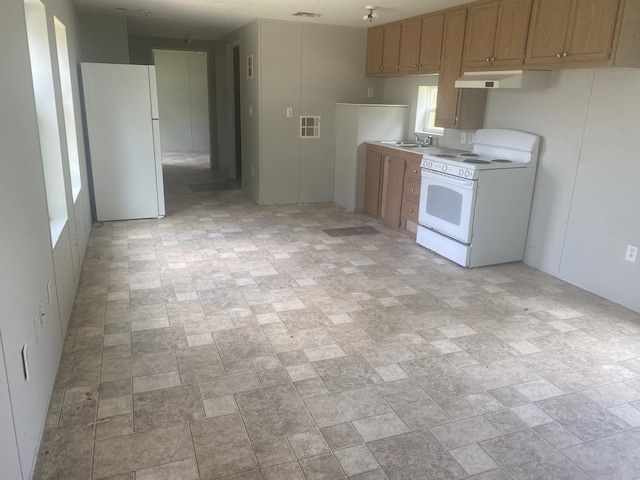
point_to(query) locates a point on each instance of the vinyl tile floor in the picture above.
(235, 341)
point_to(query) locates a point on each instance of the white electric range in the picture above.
(474, 206)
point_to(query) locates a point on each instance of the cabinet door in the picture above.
(590, 33)
(480, 35)
(511, 33)
(547, 31)
(392, 183)
(372, 180)
(450, 69)
(431, 43)
(375, 44)
(391, 50)
(410, 46)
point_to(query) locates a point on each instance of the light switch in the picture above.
(289, 112)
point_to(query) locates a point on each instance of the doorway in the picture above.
(234, 112)
(237, 112)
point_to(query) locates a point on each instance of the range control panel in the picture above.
(454, 170)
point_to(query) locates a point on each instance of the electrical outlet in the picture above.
(289, 112)
(370, 92)
(632, 254)
(463, 137)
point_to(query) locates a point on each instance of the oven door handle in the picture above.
(451, 180)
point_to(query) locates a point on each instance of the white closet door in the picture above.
(183, 100)
(199, 96)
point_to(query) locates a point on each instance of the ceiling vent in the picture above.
(307, 14)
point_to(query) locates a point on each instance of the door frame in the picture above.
(231, 108)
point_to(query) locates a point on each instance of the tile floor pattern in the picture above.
(233, 341)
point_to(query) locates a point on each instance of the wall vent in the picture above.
(309, 126)
(307, 14)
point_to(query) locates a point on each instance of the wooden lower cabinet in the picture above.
(392, 187)
(372, 181)
(392, 183)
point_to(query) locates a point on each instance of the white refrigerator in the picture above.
(121, 108)
(355, 124)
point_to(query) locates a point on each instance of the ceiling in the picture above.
(211, 19)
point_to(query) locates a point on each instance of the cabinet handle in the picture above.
(493, 59)
(488, 59)
(564, 54)
(411, 210)
(415, 66)
(415, 171)
(420, 65)
(558, 55)
(413, 190)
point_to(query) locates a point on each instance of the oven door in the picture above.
(447, 204)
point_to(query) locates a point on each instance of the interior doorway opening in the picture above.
(237, 113)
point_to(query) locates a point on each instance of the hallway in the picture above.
(236, 341)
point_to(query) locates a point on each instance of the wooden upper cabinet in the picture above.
(547, 31)
(431, 43)
(410, 46)
(482, 20)
(572, 32)
(511, 33)
(383, 49)
(590, 32)
(391, 48)
(450, 68)
(505, 35)
(375, 44)
(496, 34)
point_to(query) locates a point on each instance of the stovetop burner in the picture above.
(500, 160)
(476, 161)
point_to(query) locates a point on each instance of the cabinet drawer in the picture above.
(412, 189)
(409, 210)
(413, 170)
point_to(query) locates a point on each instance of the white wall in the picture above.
(586, 205)
(103, 38)
(27, 260)
(308, 68)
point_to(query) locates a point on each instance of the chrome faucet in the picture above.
(423, 139)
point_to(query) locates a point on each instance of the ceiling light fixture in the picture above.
(371, 14)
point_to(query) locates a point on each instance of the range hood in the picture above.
(522, 79)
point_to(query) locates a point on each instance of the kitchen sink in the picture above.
(403, 144)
